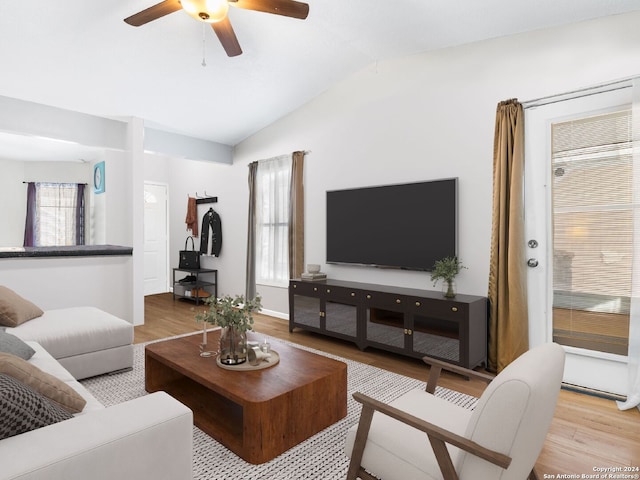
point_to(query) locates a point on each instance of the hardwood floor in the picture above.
(587, 431)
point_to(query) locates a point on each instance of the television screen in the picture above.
(407, 226)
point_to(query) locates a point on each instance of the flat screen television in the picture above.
(407, 226)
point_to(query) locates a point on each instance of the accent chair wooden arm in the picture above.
(436, 367)
(438, 437)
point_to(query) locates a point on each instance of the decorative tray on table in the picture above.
(247, 366)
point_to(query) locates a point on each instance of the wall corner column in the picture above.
(135, 143)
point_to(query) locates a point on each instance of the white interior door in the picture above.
(588, 368)
(156, 271)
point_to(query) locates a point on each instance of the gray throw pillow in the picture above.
(23, 409)
(13, 345)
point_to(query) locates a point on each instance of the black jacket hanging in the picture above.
(211, 221)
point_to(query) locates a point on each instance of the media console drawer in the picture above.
(453, 330)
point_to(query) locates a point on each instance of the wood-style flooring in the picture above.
(587, 431)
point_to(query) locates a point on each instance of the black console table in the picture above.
(407, 321)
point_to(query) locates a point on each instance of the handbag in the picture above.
(189, 258)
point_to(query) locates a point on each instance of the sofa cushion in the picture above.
(67, 332)
(42, 382)
(23, 409)
(15, 310)
(12, 344)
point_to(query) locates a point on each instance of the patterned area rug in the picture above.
(321, 457)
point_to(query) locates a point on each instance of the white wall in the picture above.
(426, 117)
(14, 193)
(61, 282)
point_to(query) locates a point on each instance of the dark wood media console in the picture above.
(407, 321)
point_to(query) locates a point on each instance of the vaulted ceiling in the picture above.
(81, 55)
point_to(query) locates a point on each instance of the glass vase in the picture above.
(233, 346)
(449, 288)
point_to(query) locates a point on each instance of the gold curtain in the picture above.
(508, 317)
(296, 217)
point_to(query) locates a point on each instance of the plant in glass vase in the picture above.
(235, 316)
(446, 270)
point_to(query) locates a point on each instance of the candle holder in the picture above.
(203, 350)
(203, 346)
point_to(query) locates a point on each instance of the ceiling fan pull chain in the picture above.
(204, 37)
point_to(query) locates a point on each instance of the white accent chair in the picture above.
(420, 436)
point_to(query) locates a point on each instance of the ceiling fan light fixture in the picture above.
(209, 11)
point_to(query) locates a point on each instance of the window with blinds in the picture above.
(59, 214)
(593, 231)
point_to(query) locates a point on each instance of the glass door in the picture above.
(580, 227)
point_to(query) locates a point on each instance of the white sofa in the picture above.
(87, 341)
(146, 438)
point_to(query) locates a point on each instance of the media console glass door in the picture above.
(386, 326)
(329, 310)
(436, 337)
(306, 311)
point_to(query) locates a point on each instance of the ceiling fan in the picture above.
(215, 13)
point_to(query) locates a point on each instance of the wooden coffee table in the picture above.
(257, 414)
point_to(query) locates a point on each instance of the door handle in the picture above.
(532, 262)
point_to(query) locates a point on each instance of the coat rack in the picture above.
(205, 199)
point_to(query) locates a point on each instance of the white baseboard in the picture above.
(273, 313)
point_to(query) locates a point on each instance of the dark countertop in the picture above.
(65, 251)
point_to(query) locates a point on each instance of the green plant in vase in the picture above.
(446, 270)
(235, 316)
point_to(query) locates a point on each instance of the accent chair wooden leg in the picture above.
(443, 458)
(360, 441)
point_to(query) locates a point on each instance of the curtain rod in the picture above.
(69, 183)
(582, 92)
(306, 152)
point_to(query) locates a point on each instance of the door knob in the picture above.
(532, 262)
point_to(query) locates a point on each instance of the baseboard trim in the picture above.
(273, 313)
(594, 393)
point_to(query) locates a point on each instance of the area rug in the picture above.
(321, 457)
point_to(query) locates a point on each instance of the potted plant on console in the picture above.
(446, 270)
(235, 316)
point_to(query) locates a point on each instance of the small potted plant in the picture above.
(446, 270)
(235, 316)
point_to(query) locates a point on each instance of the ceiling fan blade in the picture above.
(227, 37)
(287, 8)
(153, 13)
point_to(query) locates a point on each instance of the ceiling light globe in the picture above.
(209, 11)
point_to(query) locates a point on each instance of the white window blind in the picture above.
(273, 179)
(57, 214)
(593, 205)
(593, 215)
